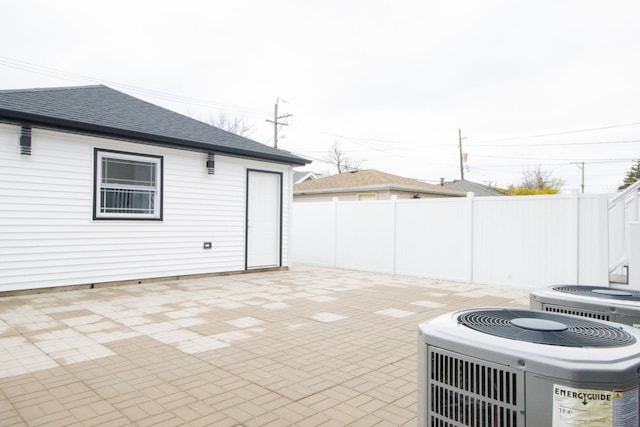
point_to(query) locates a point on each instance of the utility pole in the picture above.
(460, 138)
(581, 166)
(276, 123)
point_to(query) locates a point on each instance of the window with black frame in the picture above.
(128, 186)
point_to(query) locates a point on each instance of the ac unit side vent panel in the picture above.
(582, 313)
(599, 292)
(470, 392)
(565, 331)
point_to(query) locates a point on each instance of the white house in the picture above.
(97, 186)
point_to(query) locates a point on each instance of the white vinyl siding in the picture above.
(48, 236)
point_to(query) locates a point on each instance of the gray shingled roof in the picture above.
(104, 111)
(479, 190)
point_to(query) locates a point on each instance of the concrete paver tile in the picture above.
(186, 413)
(372, 405)
(271, 401)
(165, 419)
(112, 419)
(81, 399)
(394, 415)
(317, 419)
(267, 419)
(289, 415)
(366, 421)
(59, 418)
(214, 420)
(134, 413)
(11, 420)
(177, 400)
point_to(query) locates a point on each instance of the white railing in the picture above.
(624, 208)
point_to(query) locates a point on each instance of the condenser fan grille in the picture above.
(599, 292)
(465, 391)
(545, 328)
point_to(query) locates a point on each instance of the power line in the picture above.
(399, 145)
(350, 137)
(542, 135)
(556, 159)
(65, 75)
(386, 146)
(372, 148)
(559, 144)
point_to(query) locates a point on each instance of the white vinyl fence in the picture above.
(525, 242)
(624, 209)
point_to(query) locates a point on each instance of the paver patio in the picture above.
(304, 347)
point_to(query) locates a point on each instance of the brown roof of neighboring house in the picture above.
(370, 180)
(479, 190)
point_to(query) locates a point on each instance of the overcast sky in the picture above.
(540, 82)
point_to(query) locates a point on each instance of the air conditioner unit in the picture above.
(615, 305)
(497, 367)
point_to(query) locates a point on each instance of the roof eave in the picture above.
(382, 187)
(53, 123)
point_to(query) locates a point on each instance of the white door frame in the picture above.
(248, 214)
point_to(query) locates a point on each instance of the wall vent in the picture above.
(211, 164)
(25, 141)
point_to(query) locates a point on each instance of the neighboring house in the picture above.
(97, 186)
(478, 190)
(369, 184)
(302, 176)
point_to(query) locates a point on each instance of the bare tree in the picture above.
(340, 161)
(236, 125)
(537, 181)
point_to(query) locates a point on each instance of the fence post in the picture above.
(335, 231)
(394, 206)
(634, 255)
(469, 240)
(574, 236)
(603, 237)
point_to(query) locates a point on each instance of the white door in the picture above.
(264, 201)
